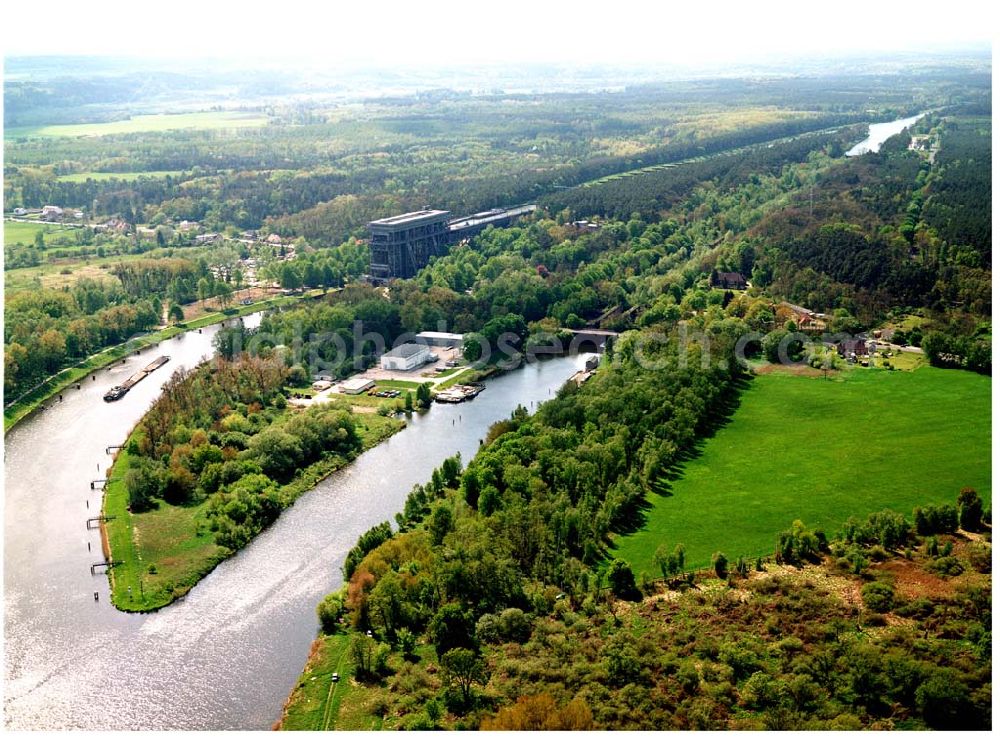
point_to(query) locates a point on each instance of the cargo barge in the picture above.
(118, 391)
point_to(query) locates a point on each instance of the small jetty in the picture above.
(107, 565)
(459, 393)
(118, 391)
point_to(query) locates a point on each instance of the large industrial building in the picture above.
(405, 357)
(402, 245)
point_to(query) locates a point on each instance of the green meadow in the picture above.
(147, 123)
(19, 232)
(820, 451)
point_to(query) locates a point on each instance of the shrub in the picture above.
(878, 596)
(946, 567)
(488, 629)
(943, 701)
(799, 544)
(760, 692)
(721, 565)
(942, 519)
(970, 509)
(515, 625)
(407, 642)
(329, 610)
(622, 581)
(621, 662)
(144, 483)
(980, 557)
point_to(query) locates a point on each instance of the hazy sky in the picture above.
(424, 31)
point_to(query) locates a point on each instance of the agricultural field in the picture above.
(820, 451)
(146, 124)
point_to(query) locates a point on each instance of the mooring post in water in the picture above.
(88, 546)
(96, 595)
(88, 505)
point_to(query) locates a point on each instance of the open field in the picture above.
(19, 232)
(821, 451)
(124, 176)
(147, 123)
(62, 273)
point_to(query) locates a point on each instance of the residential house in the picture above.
(52, 213)
(729, 280)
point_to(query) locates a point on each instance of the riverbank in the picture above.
(63, 380)
(164, 552)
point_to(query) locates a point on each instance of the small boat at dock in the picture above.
(459, 393)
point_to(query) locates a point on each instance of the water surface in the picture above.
(879, 132)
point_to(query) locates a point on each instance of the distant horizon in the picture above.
(448, 33)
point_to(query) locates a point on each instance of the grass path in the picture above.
(820, 451)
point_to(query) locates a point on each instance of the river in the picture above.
(879, 132)
(226, 655)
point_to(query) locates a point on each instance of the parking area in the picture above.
(428, 373)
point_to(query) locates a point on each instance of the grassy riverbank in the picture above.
(66, 378)
(164, 552)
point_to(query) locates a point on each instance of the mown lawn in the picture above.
(820, 451)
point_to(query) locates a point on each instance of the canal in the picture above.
(226, 655)
(879, 132)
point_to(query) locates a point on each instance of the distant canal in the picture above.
(226, 655)
(879, 132)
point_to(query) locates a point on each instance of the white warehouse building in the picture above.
(406, 357)
(440, 338)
